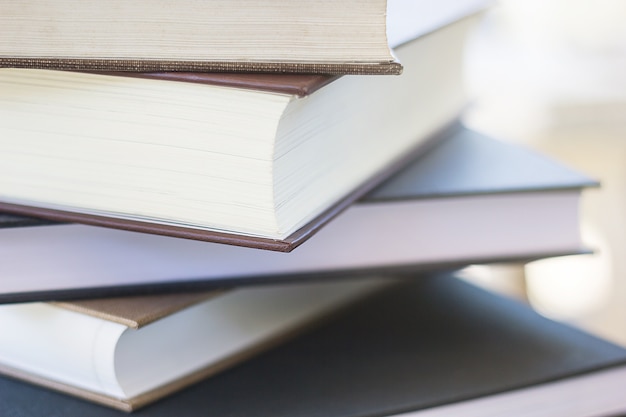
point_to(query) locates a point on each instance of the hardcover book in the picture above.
(471, 199)
(128, 352)
(316, 36)
(184, 35)
(433, 346)
(261, 161)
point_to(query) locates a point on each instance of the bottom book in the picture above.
(431, 346)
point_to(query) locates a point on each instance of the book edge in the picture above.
(392, 67)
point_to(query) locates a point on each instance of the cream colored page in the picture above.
(209, 30)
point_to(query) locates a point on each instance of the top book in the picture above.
(314, 36)
(261, 160)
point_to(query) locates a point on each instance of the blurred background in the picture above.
(551, 74)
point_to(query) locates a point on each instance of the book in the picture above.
(126, 353)
(470, 199)
(263, 166)
(217, 35)
(433, 346)
(214, 35)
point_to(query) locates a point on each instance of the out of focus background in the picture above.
(551, 74)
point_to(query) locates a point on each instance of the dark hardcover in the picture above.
(98, 262)
(432, 342)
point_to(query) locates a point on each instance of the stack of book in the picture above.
(243, 208)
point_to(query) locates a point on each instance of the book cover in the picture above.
(137, 311)
(472, 199)
(432, 346)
